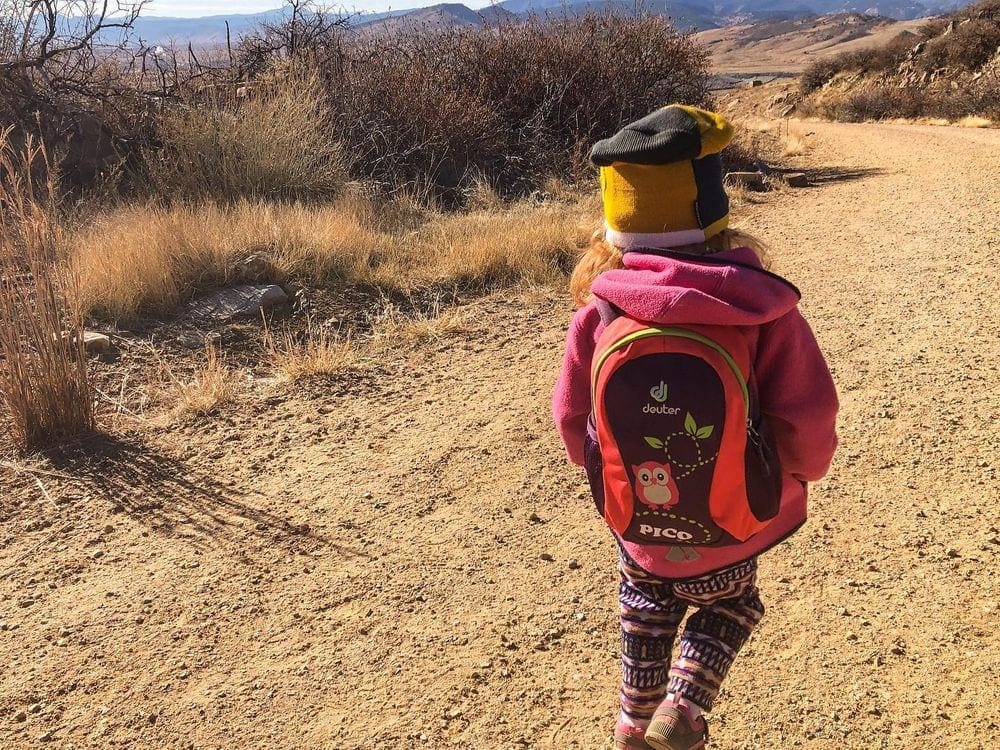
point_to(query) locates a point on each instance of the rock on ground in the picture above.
(244, 301)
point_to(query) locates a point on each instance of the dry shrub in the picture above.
(273, 142)
(514, 103)
(149, 258)
(212, 385)
(968, 47)
(65, 78)
(45, 389)
(868, 60)
(880, 103)
(314, 353)
(972, 121)
(947, 76)
(793, 144)
(886, 102)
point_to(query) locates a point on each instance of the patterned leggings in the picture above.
(729, 607)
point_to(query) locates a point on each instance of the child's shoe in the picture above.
(628, 737)
(674, 728)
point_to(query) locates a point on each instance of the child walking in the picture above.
(694, 394)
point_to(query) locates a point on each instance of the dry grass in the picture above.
(273, 142)
(212, 385)
(972, 121)
(316, 353)
(45, 390)
(394, 326)
(793, 144)
(149, 258)
(524, 242)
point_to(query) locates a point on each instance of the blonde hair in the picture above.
(601, 256)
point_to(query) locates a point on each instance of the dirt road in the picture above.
(364, 565)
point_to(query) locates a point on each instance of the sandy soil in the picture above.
(384, 561)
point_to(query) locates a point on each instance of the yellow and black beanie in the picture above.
(661, 179)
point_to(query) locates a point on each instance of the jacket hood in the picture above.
(726, 288)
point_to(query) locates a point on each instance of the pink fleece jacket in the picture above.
(796, 391)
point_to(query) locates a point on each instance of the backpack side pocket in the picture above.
(594, 466)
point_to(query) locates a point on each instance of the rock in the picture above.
(796, 180)
(573, 564)
(20, 716)
(245, 301)
(46, 736)
(191, 340)
(753, 180)
(534, 517)
(96, 343)
(546, 557)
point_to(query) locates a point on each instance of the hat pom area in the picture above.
(674, 133)
(661, 178)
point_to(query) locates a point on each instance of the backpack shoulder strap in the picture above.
(608, 312)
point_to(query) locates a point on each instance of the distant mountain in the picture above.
(687, 15)
(446, 15)
(206, 30)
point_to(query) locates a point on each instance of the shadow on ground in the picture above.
(832, 175)
(170, 496)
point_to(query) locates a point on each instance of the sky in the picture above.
(195, 8)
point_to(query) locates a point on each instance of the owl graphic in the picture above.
(654, 485)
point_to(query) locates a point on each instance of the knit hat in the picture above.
(661, 179)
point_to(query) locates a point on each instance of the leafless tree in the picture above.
(61, 70)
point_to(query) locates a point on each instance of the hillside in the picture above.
(686, 14)
(445, 15)
(950, 70)
(792, 45)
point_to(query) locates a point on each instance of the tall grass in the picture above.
(45, 390)
(271, 140)
(148, 258)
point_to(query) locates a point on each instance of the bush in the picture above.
(880, 103)
(869, 60)
(45, 390)
(970, 46)
(273, 142)
(433, 108)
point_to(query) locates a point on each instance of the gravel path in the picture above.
(403, 559)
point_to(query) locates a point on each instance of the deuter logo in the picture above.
(659, 392)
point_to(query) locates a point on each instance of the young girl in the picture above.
(696, 397)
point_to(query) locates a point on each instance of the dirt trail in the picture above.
(363, 567)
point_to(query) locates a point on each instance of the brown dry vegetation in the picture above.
(45, 392)
(149, 258)
(951, 72)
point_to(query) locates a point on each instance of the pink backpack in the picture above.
(685, 457)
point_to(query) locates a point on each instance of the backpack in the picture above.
(685, 457)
